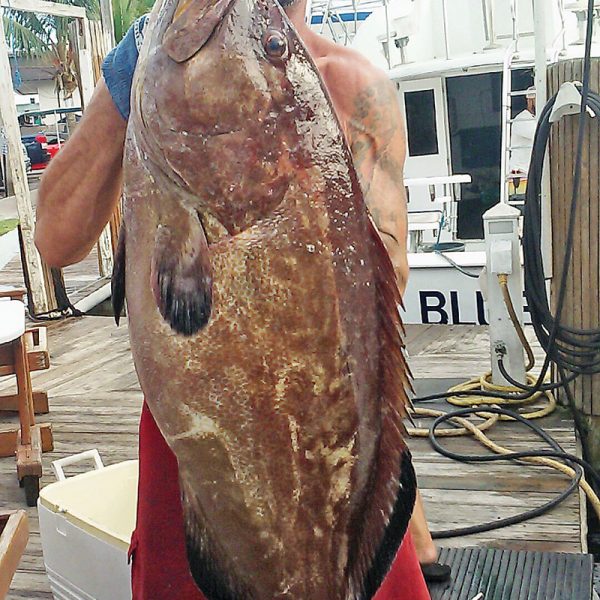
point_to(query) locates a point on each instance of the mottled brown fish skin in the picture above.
(262, 310)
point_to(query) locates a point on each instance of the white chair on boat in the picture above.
(419, 222)
(444, 193)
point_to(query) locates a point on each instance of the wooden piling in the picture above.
(582, 305)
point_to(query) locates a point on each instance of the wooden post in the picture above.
(36, 273)
(87, 59)
(18, 175)
(44, 7)
(14, 534)
(84, 42)
(582, 305)
(108, 24)
(103, 39)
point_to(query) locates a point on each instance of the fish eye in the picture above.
(275, 44)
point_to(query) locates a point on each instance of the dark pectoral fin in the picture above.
(210, 574)
(118, 277)
(181, 276)
(192, 26)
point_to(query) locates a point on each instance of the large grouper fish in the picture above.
(263, 310)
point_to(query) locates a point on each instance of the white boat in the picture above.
(459, 95)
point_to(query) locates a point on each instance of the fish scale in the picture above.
(262, 310)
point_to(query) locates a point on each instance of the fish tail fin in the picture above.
(118, 277)
(393, 482)
(181, 275)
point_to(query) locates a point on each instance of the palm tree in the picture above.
(38, 35)
(125, 12)
(34, 35)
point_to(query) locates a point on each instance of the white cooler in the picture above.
(86, 524)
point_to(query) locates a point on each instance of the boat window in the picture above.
(521, 79)
(420, 123)
(475, 122)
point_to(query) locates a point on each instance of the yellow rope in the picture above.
(477, 431)
(503, 283)
(484, 383)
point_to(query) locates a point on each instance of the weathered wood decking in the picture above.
(80, 279)
(95, 403)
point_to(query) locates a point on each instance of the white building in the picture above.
(36, 89)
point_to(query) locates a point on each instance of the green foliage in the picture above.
(40, 35)
(125, 12)
(31, 34)
(8, 225)
(23, 37)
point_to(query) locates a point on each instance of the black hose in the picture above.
(528, 391)
(564, 380)
(521, 517)
(557, 452)
(575, 350)
(572, 350)
(456, 265)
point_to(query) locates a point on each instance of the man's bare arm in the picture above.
(379, 150)
(82, 184)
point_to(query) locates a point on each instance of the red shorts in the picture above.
(160, 570)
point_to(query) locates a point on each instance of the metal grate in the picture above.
(514, 575)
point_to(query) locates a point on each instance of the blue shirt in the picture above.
(119, 65)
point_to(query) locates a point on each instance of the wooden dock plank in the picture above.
(95, 402)
(80, 279)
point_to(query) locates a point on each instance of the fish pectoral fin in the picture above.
(181, 275)
(192, 26)
(212, 577)
(118, 277)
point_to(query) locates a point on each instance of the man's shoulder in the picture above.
(358, 74)
(358, 86)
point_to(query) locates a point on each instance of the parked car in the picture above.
(36, 150)
(26, 158)
(54, 144)
(41, 147)
(3, 165)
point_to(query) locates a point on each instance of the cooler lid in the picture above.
(101, 502)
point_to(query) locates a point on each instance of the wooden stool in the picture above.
(14, 533)
(29, 440)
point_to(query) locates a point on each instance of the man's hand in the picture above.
(82, 184)
(378, 146)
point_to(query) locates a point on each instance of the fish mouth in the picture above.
(194, 23)
(218, 134)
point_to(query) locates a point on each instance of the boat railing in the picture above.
(514, 14)
(506, 117)
(562, 34)
(488, 23)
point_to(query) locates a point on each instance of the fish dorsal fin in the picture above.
(193, 24)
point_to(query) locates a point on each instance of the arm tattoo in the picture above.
(375, 128)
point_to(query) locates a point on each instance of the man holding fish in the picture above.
(262, 304)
